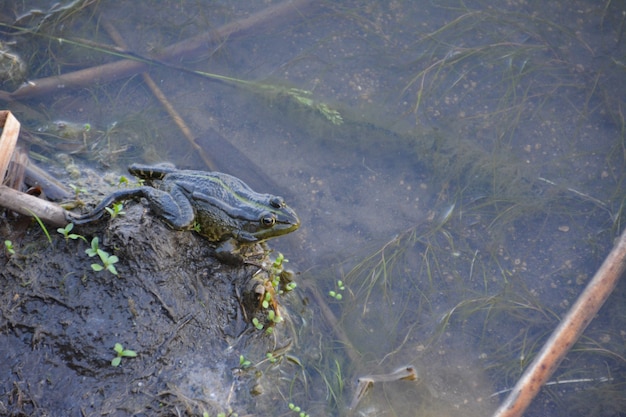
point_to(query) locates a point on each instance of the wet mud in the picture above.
(186, 315)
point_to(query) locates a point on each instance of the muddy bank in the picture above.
(185, 314)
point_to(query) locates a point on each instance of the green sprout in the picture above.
(117, 210)
(108, 262)
(298, 410)
(93, 251)
(243, 362)
(266, 300)
(65, 231)
(77, 190)
(121, 353)
(123, 181)
(257, 323)
(337, 294)
(273, 317)
(9, 245)
(280, 274)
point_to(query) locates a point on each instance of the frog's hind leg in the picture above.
(173, 207)
(100, 209)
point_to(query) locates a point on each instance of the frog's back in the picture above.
(151, 172)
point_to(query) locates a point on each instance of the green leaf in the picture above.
(102, 254)
(129, 353)
(97, 267)
(93, 251)
(116, 361)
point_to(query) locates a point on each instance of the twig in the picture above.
(126, 67)
(8, 139)
(567, 333)
(29, 205)
(158, 93)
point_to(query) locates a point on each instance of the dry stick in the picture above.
(158, 93)
(31, 206)
(124, 68)
(15, 200)
(566, 334)
(10, 131)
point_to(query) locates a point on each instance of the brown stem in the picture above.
(124, 68)
(158, 93)
(567, 333)
(29, 205)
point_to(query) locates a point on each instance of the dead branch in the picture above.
(567, 333)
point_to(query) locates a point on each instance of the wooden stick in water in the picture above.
(126, 67)
(158, 93)
(567, 332)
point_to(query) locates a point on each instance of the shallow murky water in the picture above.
(459, 167)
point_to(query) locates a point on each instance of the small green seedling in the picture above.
(117, 210)
(273, 317)
(77, 190)
(65, 231)
(281, 275)
(337, 294)
(298, 410)
(243, 362)
(93, 250)
(266, 300)
(257, 324)
(9, 245)
(108, 262)
(121, 353)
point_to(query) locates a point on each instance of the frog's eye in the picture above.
(268, 220)
(277, 202)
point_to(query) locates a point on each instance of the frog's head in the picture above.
(277, 219)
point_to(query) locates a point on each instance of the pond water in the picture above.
(458, 169)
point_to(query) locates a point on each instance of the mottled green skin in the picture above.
(218, 206)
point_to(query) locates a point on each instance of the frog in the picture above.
(218, 206)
